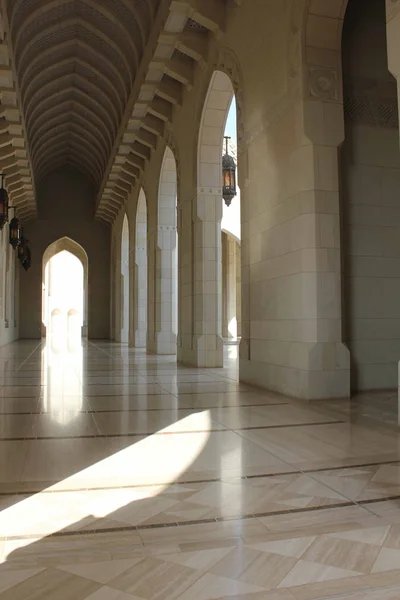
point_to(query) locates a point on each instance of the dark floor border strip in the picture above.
(355, 466)
(291, 426)
(209, 480)
(125, 528)
(194, 408)
(148, 434)
(104, 435)
(146, 485)
(377, 500)
(133, 394)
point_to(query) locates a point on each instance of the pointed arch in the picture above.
(215, 113)
(208, 341)
(68, 244)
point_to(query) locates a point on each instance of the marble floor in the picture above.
(126, 477)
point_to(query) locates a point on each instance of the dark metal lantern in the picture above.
(24, 253)
(21, 250)
(228, 175)
(15, 232)
(27, 260)
(3, 203)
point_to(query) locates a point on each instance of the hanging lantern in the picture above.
(27, 260)
(228, 175)
(3, 203)
(22, 246)
(15, 231)
(21, 249)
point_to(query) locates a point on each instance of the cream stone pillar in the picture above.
(199, 234)
(140, 277)
(124, 336)
(164, 271)
(185, 289)
(207, 342)
(238, 291)
(118, 297)
(164, 289)
(151, 286)
(393, 47)
(229, 323)
(291, 242)
(140, 314)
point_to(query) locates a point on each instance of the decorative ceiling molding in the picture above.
(14, 156)
(76, 62)
(97, 82)
(178, 43)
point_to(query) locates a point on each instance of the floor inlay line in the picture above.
(123, 528)
(151, 433)
(182, 482)
(288, 425)
(380, 499)
(353, 466)
(145, 409)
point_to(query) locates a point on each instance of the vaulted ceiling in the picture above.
(92, 83)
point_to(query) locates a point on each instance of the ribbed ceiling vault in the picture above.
(75, 62)
(96, 85)
(180, 38)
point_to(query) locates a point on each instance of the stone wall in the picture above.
(66, 208)
(370, 169)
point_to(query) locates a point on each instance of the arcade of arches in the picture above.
(215, 324)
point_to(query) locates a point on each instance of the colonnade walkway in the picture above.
(124, 477)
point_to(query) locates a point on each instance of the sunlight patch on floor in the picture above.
(159, 457)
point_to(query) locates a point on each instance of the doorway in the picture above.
(64, 294)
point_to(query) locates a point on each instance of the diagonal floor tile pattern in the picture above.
(124, 476)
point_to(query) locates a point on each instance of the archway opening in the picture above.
(63, 299)
(125, 282)
(219, 121)
(65, 283)
(64, 317)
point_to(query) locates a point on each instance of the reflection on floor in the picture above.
(377, 406)
(125, 477)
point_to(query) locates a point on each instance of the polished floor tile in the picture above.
(124, 476)
(270, 416)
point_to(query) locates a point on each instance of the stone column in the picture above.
(125, 284)
(185, 287)
(393, 47)
(132, 283)
(292, 243)
(207, 341)
(140, 283)
(118, 298)
(6, 281)
(165, 282)
(200, 324)
(140, 320)
(238, 291)
(229, 319)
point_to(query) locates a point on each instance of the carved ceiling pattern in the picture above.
(180, 44)
(76, 62)
(97, 85)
